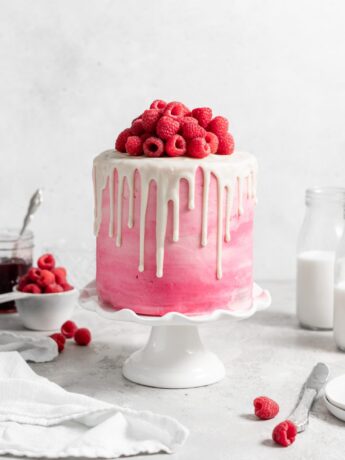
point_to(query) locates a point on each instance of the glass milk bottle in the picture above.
(339, 296)
(319, 237)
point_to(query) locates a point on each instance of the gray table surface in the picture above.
(268, 354)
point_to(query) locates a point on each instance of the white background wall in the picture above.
(73, 73)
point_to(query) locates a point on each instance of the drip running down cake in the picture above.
(174, 207)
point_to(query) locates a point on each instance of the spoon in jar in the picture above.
(34, 204)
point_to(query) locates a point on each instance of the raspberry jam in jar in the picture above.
(15, 261)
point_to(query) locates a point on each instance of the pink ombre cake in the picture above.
(174, 233)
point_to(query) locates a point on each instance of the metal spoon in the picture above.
(34, 204)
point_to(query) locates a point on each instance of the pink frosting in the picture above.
(189, 283)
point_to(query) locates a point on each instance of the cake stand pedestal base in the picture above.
(174, 357)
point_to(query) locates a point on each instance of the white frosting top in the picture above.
(230, 171)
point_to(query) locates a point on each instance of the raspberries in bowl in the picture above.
(173, 130)
(45, 299)
(46, 278)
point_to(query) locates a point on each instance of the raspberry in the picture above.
(134, 146)
(176, 146)
(59, 339)
(23, 281)
(191, 130)
(34, 274)
(53, 289)
(32, 288)
(150, 118)
(167, 127)
(176, 110)
(218, 126)
(137, 127)
(82, 336)
(158, 104)
(66, 286)
(46, 278)
(185, 120)
(285, 433)
(68, 329)
(226, 144)
(198, 148)
(46, 262)
(265, 408)
(153, 147)
(120, 144)
(203, 115)
(212, 140)
(60, 274)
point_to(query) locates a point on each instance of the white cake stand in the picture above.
(174, 356)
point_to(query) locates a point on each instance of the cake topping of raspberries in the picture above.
(265, 408)
(176, 146)
(198, 148)
(158, 104)
(168, 129)
(134, 146)
(203, 115)
(285, 433)
(153, 147)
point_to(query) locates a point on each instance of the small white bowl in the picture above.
(335, 391)
(336, 411)
(46, 312)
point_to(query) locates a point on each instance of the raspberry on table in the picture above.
(134, 146)
(153, 147)
(53, 289)
(150, 118)
(218, 126)
(82, 336)
(265, 408)
(120, 144)
(226, 144)
(158, 104)
(213, 141)
(285, 433)
(59, 339)
(137, 127)
(32, 288)
(191, 130)
(68, 329)
(198, 148)
(46, 262)
(176, 146)
(203, 115)
(167, 127)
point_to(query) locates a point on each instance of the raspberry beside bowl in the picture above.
(45, 312)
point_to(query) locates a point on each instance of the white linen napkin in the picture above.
(40, 419)
(36, 349)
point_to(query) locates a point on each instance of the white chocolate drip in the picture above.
(230, 173)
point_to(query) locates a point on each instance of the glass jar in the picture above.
(15, 260)
(339, 296)
(319, 237)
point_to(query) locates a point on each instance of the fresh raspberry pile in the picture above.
(69, 330)
(171, 129)
(46, 278)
